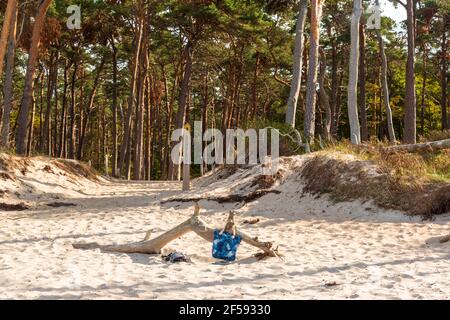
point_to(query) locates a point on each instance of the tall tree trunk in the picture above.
(10, 15)
(410, 130)
(125, 146)
(8, 87)
(254, 99)
(444, 82)
(311, 87)
(362, 82)
(31, 127)
(45, 144)
(384, 83)
(63, 124)
(355, 130)
(324, 98)
(71, 139)
(181, 115)
(423, 93)
(89, 109)
(24, 111)
(204, 117)
(334, 83)
(114, 109)
(54, 147)
(138, 146)
(298, 65)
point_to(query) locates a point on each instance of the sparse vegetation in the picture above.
(417, 183)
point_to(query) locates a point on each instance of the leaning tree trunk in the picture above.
(355, 130)
(8, 87)
(384, 83)
(311, 87)
(10, 13)
(21, 137)
(298, 65)
(410, 107)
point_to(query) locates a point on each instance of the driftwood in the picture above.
(427, 146)
(193, 224)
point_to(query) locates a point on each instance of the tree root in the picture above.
(247, 198)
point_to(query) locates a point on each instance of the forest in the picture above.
(108, 86)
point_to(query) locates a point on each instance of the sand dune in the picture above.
(347, 250)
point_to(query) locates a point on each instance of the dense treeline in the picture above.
(112, 91)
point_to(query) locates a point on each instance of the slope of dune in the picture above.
(350, 249)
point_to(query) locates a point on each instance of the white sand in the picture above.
(366, 252)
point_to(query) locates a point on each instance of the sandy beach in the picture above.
(347, 250)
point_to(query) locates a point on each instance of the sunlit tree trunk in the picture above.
(125, 146)
(444, 70)
(362, 82)
(384, 82)
(355, 130)
(324, 98)
(298, 65)
(311, 87)
(21, 145)
(410, 107)
(8, 86)
(10, 16)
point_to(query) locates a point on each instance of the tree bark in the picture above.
(8, 87)
(384, 82)
(355, 130)
(10, 16)
(182, 106)
(324, 99)
(444, 82)
(311, 87)
(114, 109)
(362, 82)
(21, 144)
(89, 109)
(298, 65)
(410, 103)
(71, 139)
(125, 146)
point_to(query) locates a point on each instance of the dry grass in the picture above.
(435, 135)
(11, 164)
(76, 169)
(415, 183)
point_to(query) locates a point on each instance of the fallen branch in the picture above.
(249, 197)
(427, 146)
(193, 224)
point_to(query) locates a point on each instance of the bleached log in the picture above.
(434, 145)
(193, 224)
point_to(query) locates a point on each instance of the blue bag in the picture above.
(225, 245)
